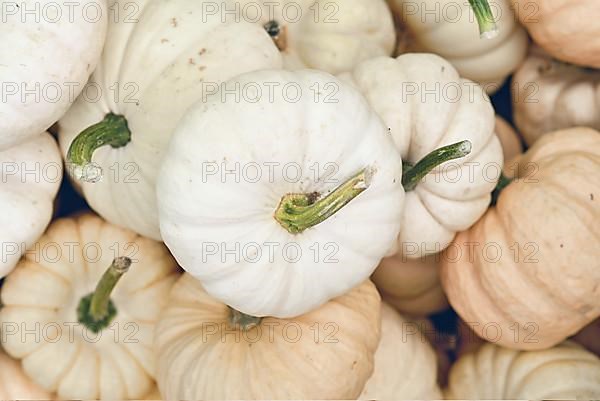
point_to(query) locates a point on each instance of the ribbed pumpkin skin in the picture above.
(549, 95)
(266, 362)
(567, 29)
(543, 286)
(14, 384)
(566, 371)
(415, 377)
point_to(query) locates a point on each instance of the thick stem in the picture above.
(297, 212)
(413, 175)
(487, 25)
(111, 131)
(96, 310)
(241, 320)
(503, 182)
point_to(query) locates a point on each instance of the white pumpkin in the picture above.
(450, 29)
(565, 371)
(48, 50)
(426, 105)
(31, 173)
(549, 95)
(405, 363)
(412, 285)
(316, 202)
(63, 350)
(170, 58)
(15, 385)
(331, 36)
(205, 353)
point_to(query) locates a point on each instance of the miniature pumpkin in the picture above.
(87, 343)
(528, 270)
(567, 29)
(549, 95)
(402, 341)
(206, 350)
(565, 371)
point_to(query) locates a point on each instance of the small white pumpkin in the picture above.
(170, 58)
(426, 105)
(565, 371)
(273, 240)
(331, 36)
(207, 351)
(450, 29)
(405, 363)
(15, 385)
(549, 95)
(70, 350)
(31, 173)
(48, 50)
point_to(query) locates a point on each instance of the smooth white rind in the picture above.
(198, 210)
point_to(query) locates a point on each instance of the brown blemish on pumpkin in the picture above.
(562, 246)
(164, 40)
(174, 22)
(591, 197)
(202, 51)
(191, 61)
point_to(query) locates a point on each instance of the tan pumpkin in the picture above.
(203, 353)
(510, 140)
(566, 371)
(412, 285)
(528, 273)
(14, 383)
(549, 95)
(412, 379)
(567, 29)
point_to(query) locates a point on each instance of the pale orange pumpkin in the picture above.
(567, 29)
(530, 277)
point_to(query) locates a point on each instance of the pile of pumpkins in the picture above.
(283, 193)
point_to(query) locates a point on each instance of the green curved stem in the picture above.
(503, 182)
(487, 25)
(241, 320)
(413, 175)
(96, 310)
(297, 212)
(112, 130)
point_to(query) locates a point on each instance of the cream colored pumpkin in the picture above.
(405, 363)
(426, 105)
(565, 371)
(30, 173)
(567, 29)
(324, 354)
(331, 36)
(43, 293)
(549, 95)
(14, 384)
(48, 50)
(151, 71)
(537, 282)
(411, 285)
(450, 29)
